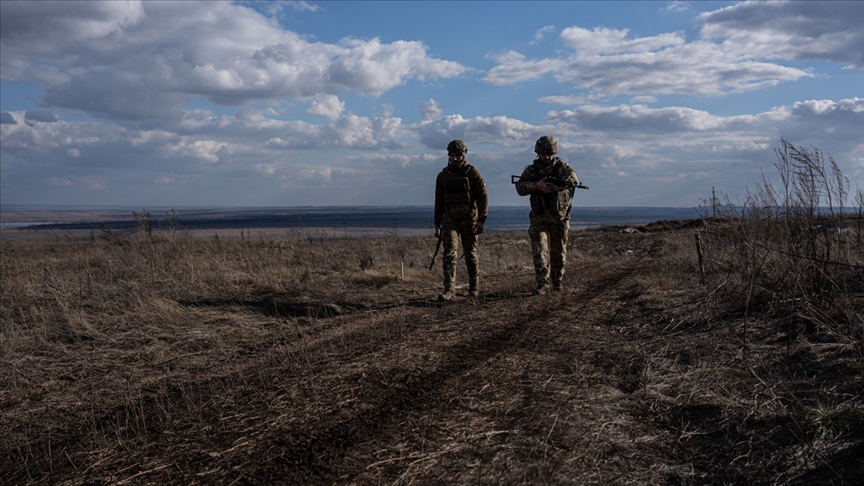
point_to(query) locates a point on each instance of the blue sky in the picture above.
(187, 103)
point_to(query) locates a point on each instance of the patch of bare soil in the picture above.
(627, 376)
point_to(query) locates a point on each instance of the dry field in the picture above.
(285, 358)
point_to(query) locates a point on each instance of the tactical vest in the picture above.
(458, 203)
(556, 204)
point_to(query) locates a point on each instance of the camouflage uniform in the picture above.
(550, 214)
(461, 201)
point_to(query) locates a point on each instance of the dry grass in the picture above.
(295, 359)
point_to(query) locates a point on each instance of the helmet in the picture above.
(546, 145)
(457, 146)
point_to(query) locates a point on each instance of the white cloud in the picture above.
(678, 6)
(372, 68)
(366, 133)
(148, 60)
(637, 118)
(33, 27)
(607, 62)
(327, 106)
(266, 169)
(613, 41)
(431, 109)
(151, 137)
(736, 53)
(514, 67)
(653, 146)
(380, 164)
(627, 147)
(826, 30)
(206, 150)
(541, 33)
(436, 134)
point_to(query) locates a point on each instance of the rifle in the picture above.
(437, 247)
(551, 180)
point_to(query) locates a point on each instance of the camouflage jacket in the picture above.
(460, 193)
(555, 205)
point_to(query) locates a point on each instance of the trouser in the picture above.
(451, 232)
(549, 249)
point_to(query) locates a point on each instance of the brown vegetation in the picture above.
(290, 359)
(298, 360)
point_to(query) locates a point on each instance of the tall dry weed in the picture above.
(794, 248)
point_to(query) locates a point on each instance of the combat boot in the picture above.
(541, 289)
(449, 280)
(474, 287)
(556, 286)
(446, 296)
(542, 285)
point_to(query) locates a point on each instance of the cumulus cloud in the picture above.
(372, 68)
(328, 106)
(149, 59)
(431, 109)
(250, 128)
(541, 33)
(608, 62)
(366, 133)
(6, 118)
(826, 30)
(436, 134)
(514, 67)
(614, 41)
(737, 52)
(643, 144)
(832, 123)
(623, 148)
(637, 118)
(380, 163)
(34, 27)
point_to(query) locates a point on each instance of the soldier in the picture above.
(461, 207)
(550, 211)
